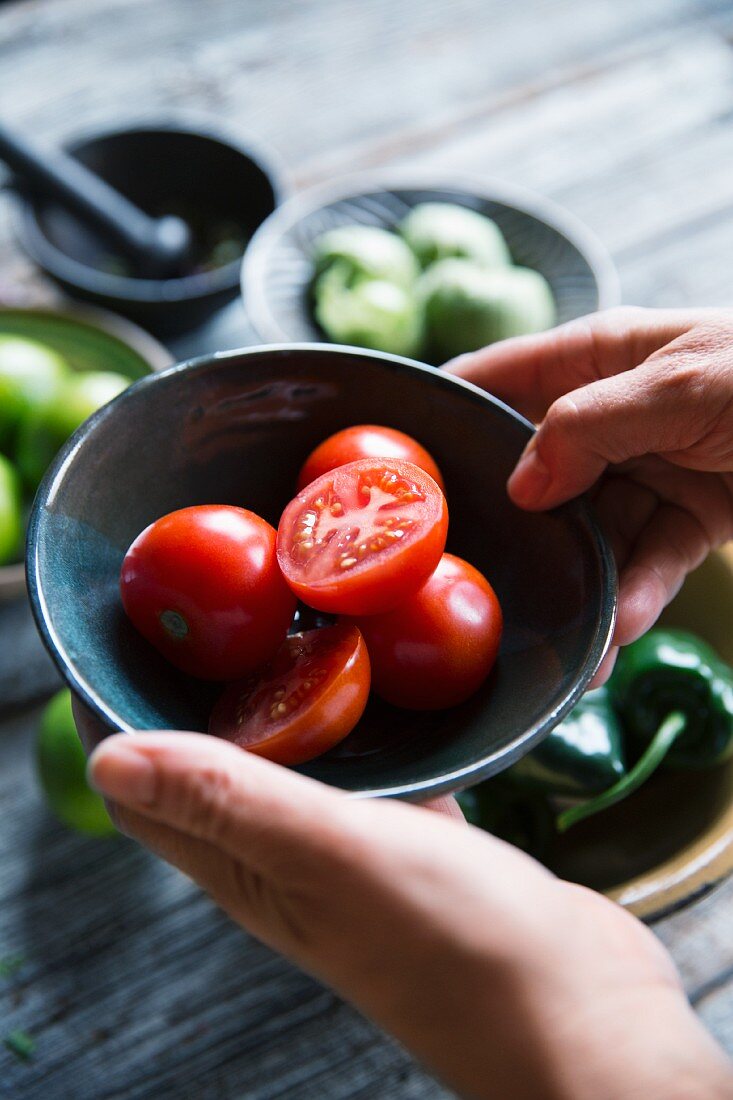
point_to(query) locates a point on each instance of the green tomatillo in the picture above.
(438, 230)
(30, 375)
(369, 313)
(468, 307)
(61, 765)
(366, 252)
(47, 427)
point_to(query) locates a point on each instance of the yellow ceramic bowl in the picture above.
(671, 841)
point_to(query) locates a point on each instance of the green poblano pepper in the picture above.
(369, 313)
(521, 818)
(674, 696)
(366, 252)
(581, 756)
(671, 670)
(437, 230)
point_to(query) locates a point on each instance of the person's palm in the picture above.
(645, 399)
(503, 979)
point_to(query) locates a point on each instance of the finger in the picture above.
(446, 805)
(656, 409)
(275, 821)
(670, 547)
(531, 372)
(243, 895)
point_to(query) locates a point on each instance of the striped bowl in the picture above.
(277, 268)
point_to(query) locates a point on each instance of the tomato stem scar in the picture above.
(173, 623)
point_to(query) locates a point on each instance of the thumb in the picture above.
(653, 409)
(208, 789)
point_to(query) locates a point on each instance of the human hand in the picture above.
(503, 980)
(642, 400)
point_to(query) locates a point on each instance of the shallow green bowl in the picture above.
(88, 339)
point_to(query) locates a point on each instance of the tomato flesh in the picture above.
(366, 441)
(203, 586)
(436, 649)
(362, 538)
(304, 702)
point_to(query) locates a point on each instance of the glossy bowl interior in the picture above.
(88, 339)
(277, 270)
(234, 429)
(206, 175)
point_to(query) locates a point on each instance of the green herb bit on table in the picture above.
(9, 964)
(21, 1044)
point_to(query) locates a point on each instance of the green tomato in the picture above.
(468, 307)
(45, 429)
(438, 230)
(30, 374)
(371, 314)
(11, 516)
(366, 252)
(61, 765)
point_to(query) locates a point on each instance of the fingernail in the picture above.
(530, 479)
(122, 772)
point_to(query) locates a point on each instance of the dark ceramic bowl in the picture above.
(234, 429)
(207, 175)
(278, 269)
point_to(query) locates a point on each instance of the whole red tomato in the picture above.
(436, 648)
(304, 702)
(365, 441)
(360, 539)
(203, 585)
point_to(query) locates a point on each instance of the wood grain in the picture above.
(132, 984)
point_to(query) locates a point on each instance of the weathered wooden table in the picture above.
(131, 983)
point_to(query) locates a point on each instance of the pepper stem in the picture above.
(663, 739)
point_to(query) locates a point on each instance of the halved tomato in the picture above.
(366, 441)
(304, 702)
(360, 539)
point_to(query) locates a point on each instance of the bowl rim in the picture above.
(417, 790)
(66, 269)
(13, 576)
(256, 257)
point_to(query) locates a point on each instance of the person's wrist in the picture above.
(643, 1040)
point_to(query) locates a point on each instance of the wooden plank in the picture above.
(134, 985)
(637, 150)
(308, 76)
(715, 1012)
(690, 269)
(701, 941)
